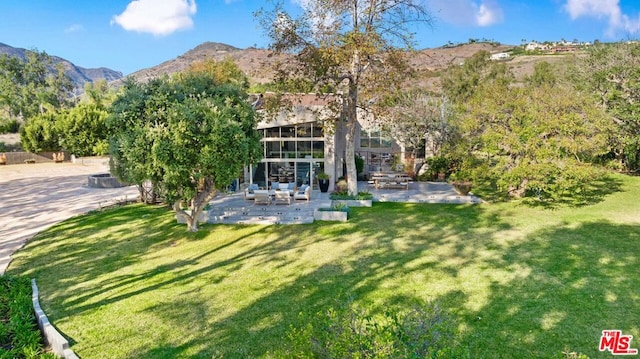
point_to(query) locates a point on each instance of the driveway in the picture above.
(34, 197)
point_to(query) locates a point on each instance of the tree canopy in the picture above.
(536, 138)
(612, 73)
(190, 136)
(28, 87)
(349, 49)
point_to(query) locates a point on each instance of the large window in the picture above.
(301, 141)
(374, 139)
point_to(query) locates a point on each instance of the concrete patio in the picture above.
(234, 209)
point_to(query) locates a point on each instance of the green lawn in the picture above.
(521, 281)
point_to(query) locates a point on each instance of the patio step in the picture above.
(271, 214)
(264, 219)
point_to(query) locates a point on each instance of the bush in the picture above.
(20, 336)
(343, 194)
(347, 331)
(9, 126)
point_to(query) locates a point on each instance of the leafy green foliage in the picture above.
(345, 195)
(9, 125)
(41, 133)
(538, 139)
(28, 88)
(612, 73)
(20, 336)
(83, 130)
(190, 136)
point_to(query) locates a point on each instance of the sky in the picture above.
(128, 36)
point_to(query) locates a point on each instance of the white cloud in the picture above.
(157, 17)
(468, 12)
(73, 28)
(604, 9)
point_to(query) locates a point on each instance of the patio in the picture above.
(234, 209)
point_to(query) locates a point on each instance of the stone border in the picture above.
(59, 345)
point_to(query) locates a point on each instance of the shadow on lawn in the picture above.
(522, 294)
(586, 194)
(394, 241)
(578, 281)
(563, 286)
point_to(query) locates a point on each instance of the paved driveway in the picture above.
(36, 196)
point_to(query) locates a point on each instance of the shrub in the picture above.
(343, 194)
(9, 126)
(19, 333)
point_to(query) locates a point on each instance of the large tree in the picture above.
(539, 137)
(612, 73)
(191, 136)
(422, 122)
(33, 85)
(351, 49)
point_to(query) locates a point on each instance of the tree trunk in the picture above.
(350, 158)
(192, 218)
(519, 191)
(196, 206)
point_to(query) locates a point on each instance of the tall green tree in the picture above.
(190, 136)
(540, 137)
(533, 139)
(32, 86)
(612, 73)
(350, 49)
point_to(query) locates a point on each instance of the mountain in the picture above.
(258, 63)
(254, 62)
(79, 75)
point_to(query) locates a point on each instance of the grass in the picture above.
(520, 281)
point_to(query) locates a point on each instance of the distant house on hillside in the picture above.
(534, 45)
(499, 56)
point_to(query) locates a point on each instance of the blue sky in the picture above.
(127, 35)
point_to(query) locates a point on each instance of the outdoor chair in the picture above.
(303, 193)
(249, 192)
(261, 197)
(283, 197)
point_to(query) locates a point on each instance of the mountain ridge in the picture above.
(79, 75)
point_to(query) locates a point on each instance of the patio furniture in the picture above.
(261, 197)
(282, 197)
(383, 180)
(303, 193)
(249, 192)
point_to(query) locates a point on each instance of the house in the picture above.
(306, 139)
(499, 56)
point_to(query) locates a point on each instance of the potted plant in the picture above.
(323, 181)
